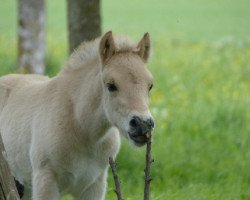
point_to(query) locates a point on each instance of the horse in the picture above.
(59, 132)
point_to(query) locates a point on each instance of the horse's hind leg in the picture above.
(20, 188)
(26, 194)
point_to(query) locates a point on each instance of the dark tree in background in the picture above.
(84, 21)
(31, 36)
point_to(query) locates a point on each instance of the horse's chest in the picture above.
(84, 168)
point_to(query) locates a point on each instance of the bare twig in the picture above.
(116, 179)
(8, 189)
(148, 178)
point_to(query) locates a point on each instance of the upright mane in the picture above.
(89, 51)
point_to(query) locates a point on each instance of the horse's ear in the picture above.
(107, 47)
(144, 47)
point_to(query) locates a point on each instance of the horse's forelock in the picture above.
(122, 43)
(89, 51)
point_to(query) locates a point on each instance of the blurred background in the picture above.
(201, 95)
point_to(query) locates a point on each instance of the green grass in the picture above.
(201, 95)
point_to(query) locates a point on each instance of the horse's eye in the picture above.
(150, 87)
(111, 87)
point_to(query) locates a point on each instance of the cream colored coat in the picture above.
(59, 132)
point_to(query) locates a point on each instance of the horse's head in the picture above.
(126, 86)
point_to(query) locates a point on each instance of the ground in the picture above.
(200, 99)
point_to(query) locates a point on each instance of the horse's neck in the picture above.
(86, 93)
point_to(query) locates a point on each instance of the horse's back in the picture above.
(19, 80)
(13, 82)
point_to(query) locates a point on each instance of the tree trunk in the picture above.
(84, 21)
(8, 189)
(31, 36)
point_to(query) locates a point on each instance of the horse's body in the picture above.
(60, 132)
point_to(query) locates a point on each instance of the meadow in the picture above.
(201, 95)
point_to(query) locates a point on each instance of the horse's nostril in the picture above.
(133, 123)
(140, 124)
(150, 123)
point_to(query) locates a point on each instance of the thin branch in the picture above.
(116, 179)
(2, 193)
(148, 178)
(8, 189)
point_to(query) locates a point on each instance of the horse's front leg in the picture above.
(44, 185)
(95, 191)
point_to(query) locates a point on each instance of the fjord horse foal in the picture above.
(59, 132)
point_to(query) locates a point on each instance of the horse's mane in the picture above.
(89, 51)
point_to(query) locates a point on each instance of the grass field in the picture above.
(201, 95)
